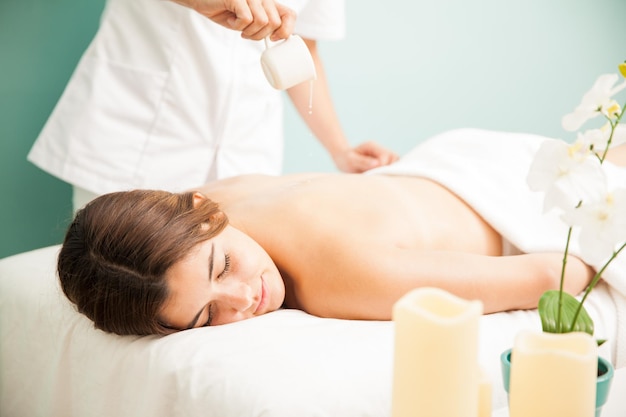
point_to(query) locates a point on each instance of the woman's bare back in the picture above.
(328, 233)
(407, 212)
(348, 246)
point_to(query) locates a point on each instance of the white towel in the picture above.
(488, 170)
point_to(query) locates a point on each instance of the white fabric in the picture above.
(488, 170)
(164, 98)
(283, 364)
(80, 198)
(53, 363)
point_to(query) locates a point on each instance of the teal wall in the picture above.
(401, 75)
(40, 44)
(424, 66)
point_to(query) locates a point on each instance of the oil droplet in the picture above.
(311, 97)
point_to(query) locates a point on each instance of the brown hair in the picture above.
(117, 250)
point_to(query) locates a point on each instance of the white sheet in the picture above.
(284, 364)
(53, 362)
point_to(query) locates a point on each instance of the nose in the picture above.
(237, 296)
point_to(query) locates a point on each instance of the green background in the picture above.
(41, 42)
(401, 74)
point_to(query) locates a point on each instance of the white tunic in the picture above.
(165, 98)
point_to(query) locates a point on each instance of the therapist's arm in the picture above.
(323, 122)
(256, 19)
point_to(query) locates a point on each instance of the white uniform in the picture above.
(165, 98)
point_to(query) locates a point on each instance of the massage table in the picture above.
(287, 363)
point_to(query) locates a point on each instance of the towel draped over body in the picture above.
(488, 170)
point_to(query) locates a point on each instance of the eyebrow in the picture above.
(193, 322)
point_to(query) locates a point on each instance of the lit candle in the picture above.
(436, 371)
(553, 375)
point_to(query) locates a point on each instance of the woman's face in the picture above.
(225, 279)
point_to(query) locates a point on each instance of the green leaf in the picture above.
(549, 310)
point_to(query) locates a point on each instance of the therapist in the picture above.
(165, 98)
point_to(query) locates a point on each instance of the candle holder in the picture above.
(605, 373)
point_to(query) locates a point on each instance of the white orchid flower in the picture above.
(596, 101)
(597, 139)
(567, 173)
(602, 225)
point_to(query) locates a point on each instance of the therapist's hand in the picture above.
(255, 19)
(364, 157)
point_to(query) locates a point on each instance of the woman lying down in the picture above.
(333, 245)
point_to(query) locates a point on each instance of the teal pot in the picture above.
(603, 385)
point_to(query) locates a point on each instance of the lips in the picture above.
(263, 300)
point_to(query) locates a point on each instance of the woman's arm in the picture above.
(366, 287)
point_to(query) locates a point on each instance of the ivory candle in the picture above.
(553, 375)
(436, 371)
(484, 395)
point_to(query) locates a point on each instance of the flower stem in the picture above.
(613, 126)
(562, 281)
(592, 284)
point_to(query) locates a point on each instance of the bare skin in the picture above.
(255, 19)
(345, 254)
(349, 246)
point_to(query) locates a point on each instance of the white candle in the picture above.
(436, 371)
(484, 395)
(553, 375)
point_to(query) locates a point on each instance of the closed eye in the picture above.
(226, 267)
(208, 322)
(224, 272)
